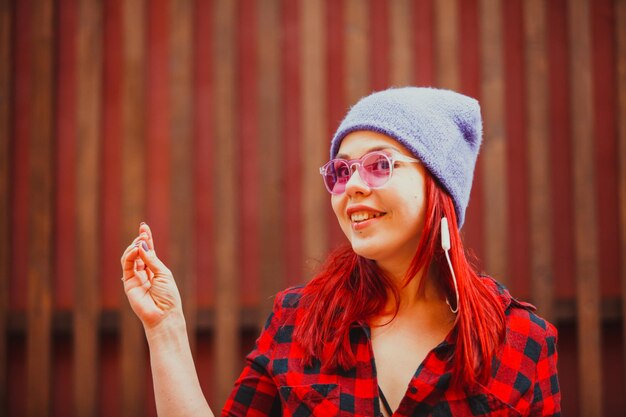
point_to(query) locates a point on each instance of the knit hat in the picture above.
(441, 128)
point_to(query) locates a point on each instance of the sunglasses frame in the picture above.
(391, 158)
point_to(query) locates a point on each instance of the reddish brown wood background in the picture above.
(208, 119)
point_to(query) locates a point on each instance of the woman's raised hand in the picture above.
(148, 283)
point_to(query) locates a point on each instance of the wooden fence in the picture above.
(208, 119)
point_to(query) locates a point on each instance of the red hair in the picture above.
(350, 288)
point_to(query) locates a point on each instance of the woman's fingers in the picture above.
(144, 228)
(152, 261)
(135, 265)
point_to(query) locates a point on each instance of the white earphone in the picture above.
(445, 245)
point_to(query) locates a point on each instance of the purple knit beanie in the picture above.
(441, 128)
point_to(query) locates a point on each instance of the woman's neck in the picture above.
(421, 290)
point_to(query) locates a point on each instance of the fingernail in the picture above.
(144, 246)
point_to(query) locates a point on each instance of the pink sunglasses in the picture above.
(375, 169)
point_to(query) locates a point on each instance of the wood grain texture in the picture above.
(88, 118)
(204, 238)
(379, 45)
(585, 226)
(158, 139)
(181, 139)
(516, 154)
(6, 65)
(40, 214)
(291, 128)
(314, 130)
(132, 349)
(226, 228)
(336, 103)
(401, 53)
(65, 153)
(271, 157)
(447, 44)
(424, 41)
(538, 156)
(470, 84)
(111, 156)
(357, 49)
(620, 25)
(560, 150)
(494, 146)
(248, 148)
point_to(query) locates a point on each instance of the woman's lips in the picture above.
(362, 220)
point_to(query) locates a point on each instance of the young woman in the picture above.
(397, 322)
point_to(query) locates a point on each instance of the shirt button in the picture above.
(412, 390)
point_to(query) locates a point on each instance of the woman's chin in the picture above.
(366, 251)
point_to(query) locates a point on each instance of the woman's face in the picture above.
(382, 224)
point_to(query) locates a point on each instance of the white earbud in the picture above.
(445, 245)
(445, 234)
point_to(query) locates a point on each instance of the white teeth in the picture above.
(363, 215)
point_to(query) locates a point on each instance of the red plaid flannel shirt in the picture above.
(524, 377)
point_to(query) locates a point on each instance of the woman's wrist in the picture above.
(171, 328)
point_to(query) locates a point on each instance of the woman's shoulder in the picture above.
(526, 330)
(289, 298)
(524, 372)
(286, 303)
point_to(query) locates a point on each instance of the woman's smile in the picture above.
(363, 216)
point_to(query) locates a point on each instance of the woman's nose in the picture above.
(356, 184)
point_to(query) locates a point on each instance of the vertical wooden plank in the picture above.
(469, 78)
(620, 43)
(65, 169)
(204, 239)
(64, 274)
(226, 177)
(158, 142)
(602, 58)
(182, 248)
(560, 151)
(539, 154)
(6, 65)
(20, 142)
(111, 149)
(379, 35)
(131, 386)
(40, 215)
(494, 146)
(424, 40)
(271, 158)
(357, 50)
(400, 48)
(447, 43)
(314, 132)
(585, 228)
(517, 244)
(87, 301)
(336, 105)
(292, 166)
(247, 136)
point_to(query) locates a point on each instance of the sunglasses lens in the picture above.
(376, 169)
(336, 175)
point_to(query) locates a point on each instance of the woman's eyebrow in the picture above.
(374, 149)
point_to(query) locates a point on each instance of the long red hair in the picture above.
(350, 288)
